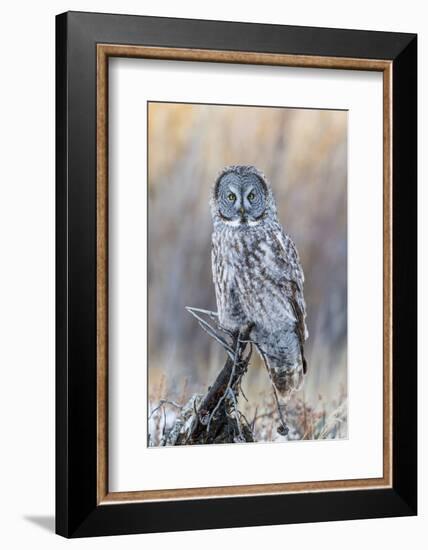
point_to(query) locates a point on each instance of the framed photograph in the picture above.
(236, 274)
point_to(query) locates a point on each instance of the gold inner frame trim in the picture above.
(104, 51)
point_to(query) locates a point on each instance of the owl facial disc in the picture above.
(241, 195)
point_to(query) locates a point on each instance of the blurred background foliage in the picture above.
(303, 153)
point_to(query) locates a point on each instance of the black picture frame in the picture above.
(77, 511)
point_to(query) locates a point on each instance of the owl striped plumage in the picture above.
(257, 274)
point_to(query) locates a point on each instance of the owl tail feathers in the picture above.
(286, 379)
(305, 364)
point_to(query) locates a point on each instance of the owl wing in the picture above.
(292, 280)
(227, 298)
(216, 271)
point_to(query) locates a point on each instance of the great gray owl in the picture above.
(257, 274)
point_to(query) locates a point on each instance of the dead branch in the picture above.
(215, 417)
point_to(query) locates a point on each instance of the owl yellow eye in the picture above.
(231, 197)
(251, 197)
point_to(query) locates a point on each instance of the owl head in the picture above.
(241, 197)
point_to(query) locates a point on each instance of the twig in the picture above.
(253, 423)
(242, 415)
(242, 391)
(282, 429)
(219, 339)
(212, 314)
(164, 424)
(163, 402)
(238, 421)
(209, 329)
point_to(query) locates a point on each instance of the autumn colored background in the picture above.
(303, 153)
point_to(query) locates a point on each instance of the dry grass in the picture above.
(308, 418)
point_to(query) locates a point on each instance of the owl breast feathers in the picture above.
(257, 274)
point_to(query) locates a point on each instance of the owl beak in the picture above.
(242, 212)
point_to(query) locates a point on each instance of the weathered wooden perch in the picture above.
(215, 417)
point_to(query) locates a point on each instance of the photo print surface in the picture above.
(247, 274)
